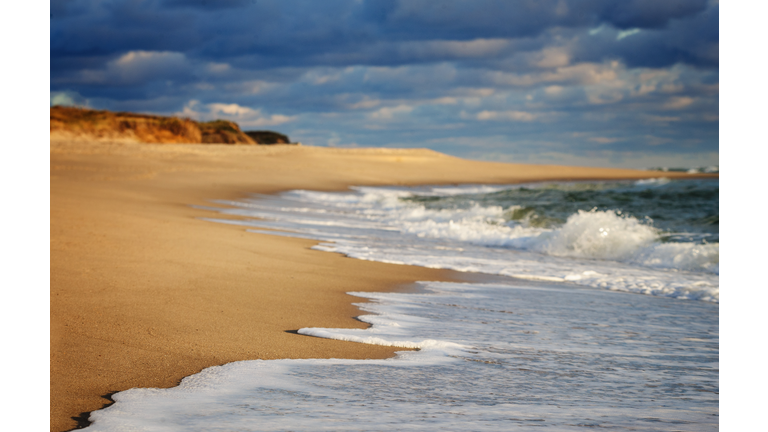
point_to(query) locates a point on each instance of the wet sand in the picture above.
(144, 292)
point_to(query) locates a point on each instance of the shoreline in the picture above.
(144, 292)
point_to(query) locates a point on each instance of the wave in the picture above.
(606, 235)
(482, 229)
(609, 235)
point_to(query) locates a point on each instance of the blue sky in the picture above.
(632, 83)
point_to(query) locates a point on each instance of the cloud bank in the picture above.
(612, 82)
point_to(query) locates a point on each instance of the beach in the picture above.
(145, 292)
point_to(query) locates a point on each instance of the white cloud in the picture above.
(244, 116)
(604, 140)
(217, 68)
(325, 76)
(477, 48)
(142, 65)
(365, 103)
(411, 75)
(251, 86)
(661, 119)
(388, 113)
(136, 67)
(445, 101)
(520, 116)
(231, 110)
(481, 92)
(673, 87)
(596, 30)
(273, 120)
(67, 99)
(600, 96)
(553, 90)
(650, 81)
(579, 74)
(552, 57)
(627, 33)
(678, 102)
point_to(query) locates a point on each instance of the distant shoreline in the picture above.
(144, 292)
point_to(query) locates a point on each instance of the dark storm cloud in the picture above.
(489, 18)
(693, 41)
(648, 13)
(208, 4)
(338, 32)
(576, 75)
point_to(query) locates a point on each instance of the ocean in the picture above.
(591, 304)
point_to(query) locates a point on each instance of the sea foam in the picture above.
(494, 357)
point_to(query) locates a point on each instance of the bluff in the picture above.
(101, 125)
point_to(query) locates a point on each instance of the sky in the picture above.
(625, 83)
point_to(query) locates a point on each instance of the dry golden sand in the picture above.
(144, 292)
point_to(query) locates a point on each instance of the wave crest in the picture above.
(598, 234)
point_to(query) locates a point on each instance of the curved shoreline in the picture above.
(144, 292)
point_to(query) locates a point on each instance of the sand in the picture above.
(144, 292)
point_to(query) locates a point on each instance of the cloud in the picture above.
(396, 72)
(627, 33)
(273, 120)
(451, 49)
(67, 98)
(553, 90)
(650, 13)
(693, 40)
(217, 68)
(207, 4)
(604, 140)
(388, 113)
(136, 67)
(553, 57)
(661, 119)
(515, 19)
(601, 96)
(657, 141)
(374, 32)
(244, 116)
(678, 102)
(520, 116)
(365, 103)
(581, 74)
(231, 110)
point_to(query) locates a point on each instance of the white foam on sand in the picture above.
(491, 357)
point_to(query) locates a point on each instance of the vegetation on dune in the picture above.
(268, 137)
(223, 131)
(106, 125)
